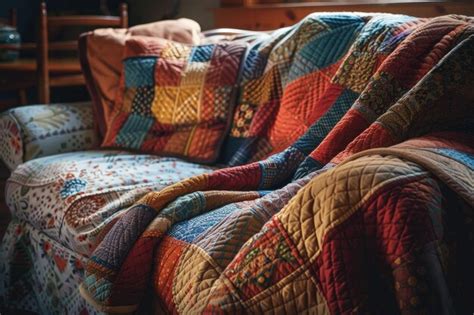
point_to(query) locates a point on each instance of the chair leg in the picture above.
(43, 93)
(42, 56)
(23, 98)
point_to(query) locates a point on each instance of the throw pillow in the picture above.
(101, 53)
(175, 99)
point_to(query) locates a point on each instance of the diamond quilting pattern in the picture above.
(139, 72)
(187, 106)
(202, 53)
(194, 73)
(164, 104)
(134, 131)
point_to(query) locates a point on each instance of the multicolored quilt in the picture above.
(368, 211)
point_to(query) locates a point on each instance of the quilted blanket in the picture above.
(369, 210)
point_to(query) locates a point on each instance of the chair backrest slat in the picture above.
(52, 46)
(44, 46)
(81, 20)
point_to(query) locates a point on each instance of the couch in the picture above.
(345, 185)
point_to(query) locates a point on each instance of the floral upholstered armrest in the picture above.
(34, 131)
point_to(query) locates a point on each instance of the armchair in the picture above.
(35, 131)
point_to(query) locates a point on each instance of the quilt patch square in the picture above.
(188, 106)
(195, 73)
(202, 53)
(143, 99)
(221, 95)
(134, 131)
(175, 51)
(164, 104)
(169, 72)
(224, 66)
(139, 71)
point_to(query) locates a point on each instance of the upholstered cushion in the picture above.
(74, 197)
(175, 99)
(101, 53)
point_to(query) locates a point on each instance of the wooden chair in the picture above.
(44, 71)
(65, 72)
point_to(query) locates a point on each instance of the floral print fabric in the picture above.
(34, 131)
(73, 197)
(40, 275)
(11, 150)
(62, 205)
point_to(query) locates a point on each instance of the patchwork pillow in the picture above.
(101, 52)
(175, 99)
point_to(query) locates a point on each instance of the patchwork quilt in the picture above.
(358, 197)
(349, 188)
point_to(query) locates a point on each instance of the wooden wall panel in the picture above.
(267, 17)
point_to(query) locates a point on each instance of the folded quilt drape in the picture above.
(318, 227)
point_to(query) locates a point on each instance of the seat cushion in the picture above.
(74, 197)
